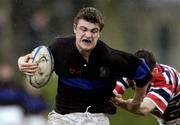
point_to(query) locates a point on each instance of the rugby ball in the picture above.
(44, 59)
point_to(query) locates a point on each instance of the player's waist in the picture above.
(109, 109)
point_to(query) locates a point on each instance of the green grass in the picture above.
(125, 118)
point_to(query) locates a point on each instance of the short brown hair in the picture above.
(147, 56)
(90, 14)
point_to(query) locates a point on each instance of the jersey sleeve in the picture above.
(160, 92)
(142, 74)
(122, 85)
(131, 67)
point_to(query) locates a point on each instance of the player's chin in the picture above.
(87, 47)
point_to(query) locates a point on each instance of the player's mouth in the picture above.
(87, 41)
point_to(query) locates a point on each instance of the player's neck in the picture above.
(85, 55)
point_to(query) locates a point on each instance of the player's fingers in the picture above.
(118, 98)
(28, 57)
(29, 65)
(31, 70)
(119, 101)
(28, 69)
(29, 73)
(114, 103)
(23, 64)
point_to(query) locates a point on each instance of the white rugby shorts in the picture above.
(85, 118)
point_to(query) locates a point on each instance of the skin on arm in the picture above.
(133, 103)
(139, 94)
(26, 66)
(145, 107)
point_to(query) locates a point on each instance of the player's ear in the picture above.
(155, 70)
(74, 27)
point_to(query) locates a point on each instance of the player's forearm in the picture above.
(140, 111)
(145, 107)
(139, 94)
(132, 105)
(127, 105)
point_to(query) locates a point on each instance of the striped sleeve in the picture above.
(158, 99)
(160, 92)
(122, 85)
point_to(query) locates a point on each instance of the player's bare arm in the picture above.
(145, 107)
(138, 97)
(134, 103)
(26, 66)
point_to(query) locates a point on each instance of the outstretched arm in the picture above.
(142, 77)
(138, 97)
(145, 107)
(123, 84)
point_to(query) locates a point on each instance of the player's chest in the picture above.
(76, 66)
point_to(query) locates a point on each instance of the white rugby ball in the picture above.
(44, 59)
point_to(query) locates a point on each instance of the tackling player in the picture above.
(163, 96)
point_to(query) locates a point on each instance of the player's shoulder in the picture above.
(113, 52)
(64, 39)
(103, 44)
(166, 68)
(61, 42)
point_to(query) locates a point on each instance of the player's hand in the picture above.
(128, 104)
(132, 105)
(26, 66)
(119, 101)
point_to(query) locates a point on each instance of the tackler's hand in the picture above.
(128, 104)
(119, 101)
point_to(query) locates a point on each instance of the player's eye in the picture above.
(94, 30)
(83, 29)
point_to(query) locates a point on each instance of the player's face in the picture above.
(155, 70)
(86, 34)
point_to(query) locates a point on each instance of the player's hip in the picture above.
(78, 118)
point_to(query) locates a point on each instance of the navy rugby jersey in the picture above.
(82, 84)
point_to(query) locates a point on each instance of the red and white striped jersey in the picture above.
(164, 91)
